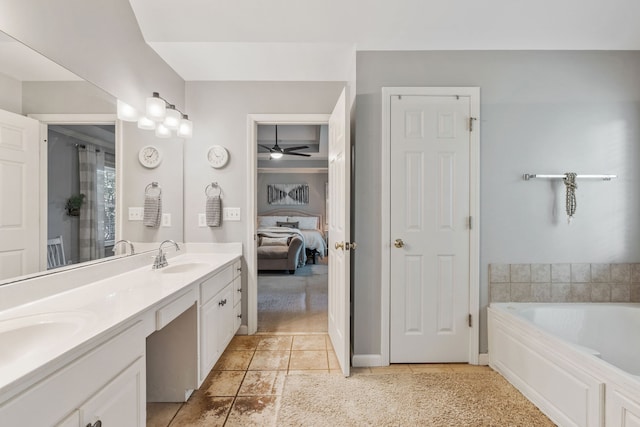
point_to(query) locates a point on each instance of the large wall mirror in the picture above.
(88, 156)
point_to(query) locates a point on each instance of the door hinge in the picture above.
(470, 320)
(471, 119)
(470, 223)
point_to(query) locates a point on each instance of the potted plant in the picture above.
(73, 204)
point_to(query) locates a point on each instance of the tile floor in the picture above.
(245, 386)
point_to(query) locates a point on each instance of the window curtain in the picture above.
(91, 233)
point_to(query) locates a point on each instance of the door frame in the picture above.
(474, 211)
(251, 257)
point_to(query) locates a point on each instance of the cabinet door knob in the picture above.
(240, 316)
(239, 289)
(96, 424)
(222, 302)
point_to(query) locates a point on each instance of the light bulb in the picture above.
(172, 118)
(276, 155)
(126, 112)
(162, 131)
(156, 108)
(185, 130)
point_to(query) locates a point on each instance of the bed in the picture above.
(288, 222)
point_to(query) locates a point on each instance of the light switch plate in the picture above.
(166, 220)
(231, 214)
(202, 220)
(135, 214)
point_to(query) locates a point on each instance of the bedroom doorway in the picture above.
(291, 201)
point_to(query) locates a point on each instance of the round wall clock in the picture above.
(149, 156)
(218, 156)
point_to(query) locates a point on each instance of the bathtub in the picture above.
(579, 363)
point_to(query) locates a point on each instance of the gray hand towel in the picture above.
(213, 211)
(152, 210)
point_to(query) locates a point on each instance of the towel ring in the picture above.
(152, 186)
(212, 186)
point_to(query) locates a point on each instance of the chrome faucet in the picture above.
(115, 245)
(160, 259)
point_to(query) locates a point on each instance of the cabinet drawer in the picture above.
(237, 290)
(215, 284)
(174, 309)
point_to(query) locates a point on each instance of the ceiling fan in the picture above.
(277, 151)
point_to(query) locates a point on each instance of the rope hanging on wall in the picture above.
(571, 185)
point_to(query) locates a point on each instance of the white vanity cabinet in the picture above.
(217, 315)
(107, 384)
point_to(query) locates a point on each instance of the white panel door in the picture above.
(19, 195)
(429, 296)
(339, 233)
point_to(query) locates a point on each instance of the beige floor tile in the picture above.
(223, 383)
(308, 372)
(161, 414)
(203, 411)
(234, 360)
(263, 383)
(244, 342)
(308, 359)
(333, 360)
(391, 369)
(273, 360)
(254, 411)
(309, 342)
(275, 342)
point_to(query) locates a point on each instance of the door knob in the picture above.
(398, 243)
(340, 245)
(351, 246)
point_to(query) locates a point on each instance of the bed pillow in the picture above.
(274, 241)
(287, 224)
(270, 221)
(305, 222)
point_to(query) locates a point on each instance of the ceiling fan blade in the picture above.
(299, 147)
(266, 148)
(289, 153)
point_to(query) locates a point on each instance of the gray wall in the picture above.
(10, 94)
(316, 182)
(541, 112)
(65, 98)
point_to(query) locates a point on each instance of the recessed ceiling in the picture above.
(316, 40)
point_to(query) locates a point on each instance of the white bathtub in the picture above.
(579, 363)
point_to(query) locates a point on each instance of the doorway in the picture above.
(430, 215)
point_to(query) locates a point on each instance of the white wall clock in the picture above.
(218, 156)
(149, 156)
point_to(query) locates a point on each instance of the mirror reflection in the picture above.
(58, 199)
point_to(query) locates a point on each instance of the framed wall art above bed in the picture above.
(288, 194)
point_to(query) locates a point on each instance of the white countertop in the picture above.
(68, 320)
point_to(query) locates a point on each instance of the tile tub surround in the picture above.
(578, 282)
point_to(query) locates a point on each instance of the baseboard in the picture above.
(243, 330)
(367, 360)
(483, 359)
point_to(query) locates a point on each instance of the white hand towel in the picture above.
(152, 210)
(213, 211)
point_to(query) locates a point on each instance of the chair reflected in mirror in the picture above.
(55, 253)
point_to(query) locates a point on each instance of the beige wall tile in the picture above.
(620, 292)
(541, 292)
(635, 292)
(499, 273)
(500, 292)
(620, 273)
(635, 273)
(521, 292)
(560, 273)
(560, 292)
(580, 273)
(540, 273)
(520, 273)
(600, 292)
(580, 292)
(600, 273)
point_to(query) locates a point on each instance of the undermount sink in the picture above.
(184, 267)
(22, 336)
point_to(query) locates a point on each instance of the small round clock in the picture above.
(218, 156)
(149, 156)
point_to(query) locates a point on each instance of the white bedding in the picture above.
(313, 239)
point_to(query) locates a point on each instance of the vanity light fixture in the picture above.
(160, 116)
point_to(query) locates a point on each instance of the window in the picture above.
(109, 205)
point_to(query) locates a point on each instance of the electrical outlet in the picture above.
(231, 214)
(135, 214)
(202, 220)
(166, 220)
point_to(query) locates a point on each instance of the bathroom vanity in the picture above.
(95, 354)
